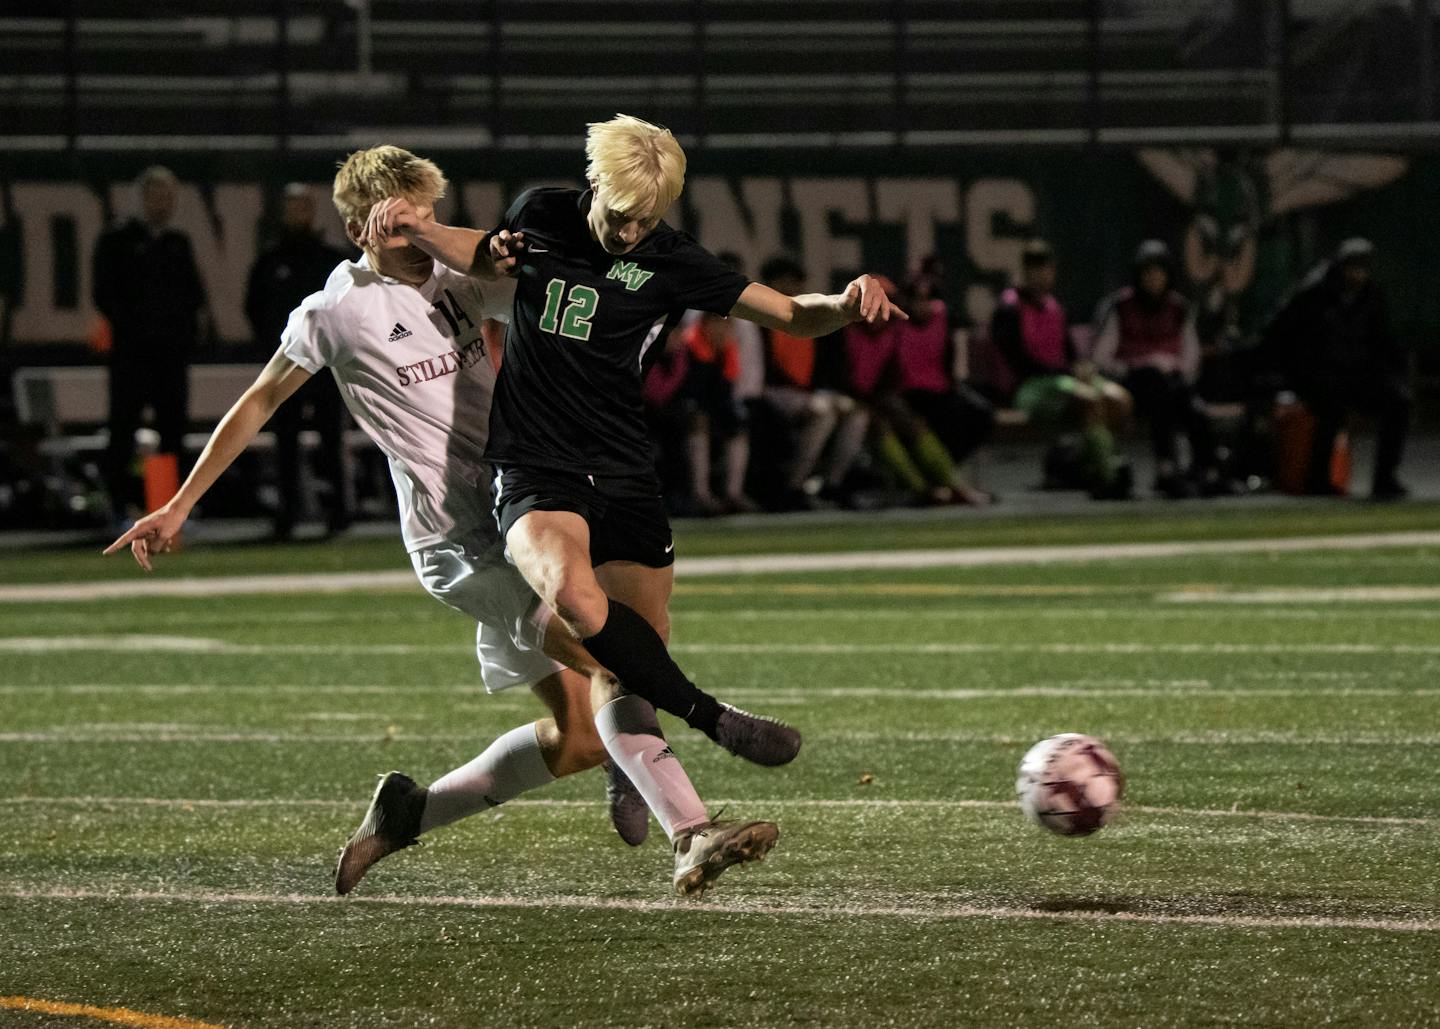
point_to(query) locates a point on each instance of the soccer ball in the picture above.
(1071, 784)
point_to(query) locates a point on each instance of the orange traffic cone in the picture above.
(162, 479)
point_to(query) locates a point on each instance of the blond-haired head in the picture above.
(367, 177)
(639, 166)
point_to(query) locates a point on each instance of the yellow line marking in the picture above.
(116, 1016)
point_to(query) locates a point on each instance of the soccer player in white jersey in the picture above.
(401, 335)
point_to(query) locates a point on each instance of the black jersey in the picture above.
(584, 330)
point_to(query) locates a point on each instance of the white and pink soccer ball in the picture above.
(1071, 784)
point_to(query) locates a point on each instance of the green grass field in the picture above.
(181, 773)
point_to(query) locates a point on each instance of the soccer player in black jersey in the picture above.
(601, 278)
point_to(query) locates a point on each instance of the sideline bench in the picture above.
(71, 404)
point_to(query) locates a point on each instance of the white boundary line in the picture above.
(1180, 688)
(930, 912)
(146, 644)
(1201, 609)
(814, 649)
(1330, 595)
(866, 803)
(781, 695)
(763, 564)
(1217, 738)
(1188, 612)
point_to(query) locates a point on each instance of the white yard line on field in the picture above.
(1302, 595)
(135, 643)
(815, 649)
(762, 564)
(751, 803)
(768, 909)
(460, 689)
(65, 736)
(211, 586)
(780, 695)
(1177, 688)
(1030, 613)
(1192, 605)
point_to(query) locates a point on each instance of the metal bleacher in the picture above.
(304, 73)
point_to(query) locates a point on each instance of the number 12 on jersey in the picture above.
(574, 323)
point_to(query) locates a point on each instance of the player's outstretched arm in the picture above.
(154, 533)
(815, 314)
(465, 250)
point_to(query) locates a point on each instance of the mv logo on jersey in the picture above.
(629, 273)
(399, 332)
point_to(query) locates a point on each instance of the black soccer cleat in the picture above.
(764, 741)
(392, 823)
(628, 812)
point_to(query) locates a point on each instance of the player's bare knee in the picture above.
(582, 606)
(604, 688)
(551, 740)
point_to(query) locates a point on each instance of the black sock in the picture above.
(630, 647)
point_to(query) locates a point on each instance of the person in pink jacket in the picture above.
(1147, 342)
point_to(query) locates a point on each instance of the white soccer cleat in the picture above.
(702, 853)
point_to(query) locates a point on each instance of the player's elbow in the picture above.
(261, 401)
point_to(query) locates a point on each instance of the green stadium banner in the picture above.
(1244, 225)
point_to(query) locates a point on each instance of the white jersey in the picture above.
(415, 372)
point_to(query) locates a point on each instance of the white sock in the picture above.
(631, 734)
(508, 767)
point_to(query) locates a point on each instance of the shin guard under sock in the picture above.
(630, 647)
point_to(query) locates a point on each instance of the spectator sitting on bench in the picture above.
(818, 416)
(905, 445)
(1146, 340)
(713, 413)
(1335, 347)
(951, 409)
(1031, 330)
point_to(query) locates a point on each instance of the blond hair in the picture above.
(156, 173)
(367, 177)
(639, 166)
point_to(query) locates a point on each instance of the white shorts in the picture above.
(471, 575)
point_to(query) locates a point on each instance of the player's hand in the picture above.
(390, 217)
(864, 300)
(505, 250)
(1086, 371)
(156, 533)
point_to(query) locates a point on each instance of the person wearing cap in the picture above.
(147, 285)
(1147, 342)
(295, 265)
(1031, 331)
(1336, 348)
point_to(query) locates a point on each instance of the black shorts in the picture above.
(626, 514)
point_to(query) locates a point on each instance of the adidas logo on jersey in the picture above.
(399, 332)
